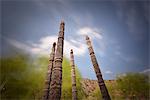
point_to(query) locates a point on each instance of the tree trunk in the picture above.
(56, 83)
(74, 90)
(103, 89)
(49, 73)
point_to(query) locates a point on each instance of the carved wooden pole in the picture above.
(49, 73)
(56, 79)
(101, 83)
(74, 90)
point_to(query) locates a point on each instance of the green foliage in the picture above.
(22, 78)
(134, 86)
(12, 74)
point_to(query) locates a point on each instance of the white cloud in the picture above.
(44, 46)
(78, 48)
(78, 45)
(93, 33)
(109, 72)
(45, 43)
(146, 71)
(18, 44)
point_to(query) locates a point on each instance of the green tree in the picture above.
(12, 72)
(22, 78)
(134, 86)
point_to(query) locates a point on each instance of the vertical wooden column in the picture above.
(103, 89)
(56, 82)
(74, 90)
(48, 79)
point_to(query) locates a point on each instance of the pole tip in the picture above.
(62, 21)
(54, 44)
(87, 37)
(71, 51)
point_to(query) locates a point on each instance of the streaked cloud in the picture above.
(78, 47)
(146, 71)
(109, 72)
(43, 46)
(92, 32)
(18, 44)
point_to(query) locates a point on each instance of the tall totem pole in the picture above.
(49, 73)
(56, 79)
(102, 86)
(74, 90)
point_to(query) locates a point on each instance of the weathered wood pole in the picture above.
(74, 90)
(102, 86)
(56, 79)
(49, 73)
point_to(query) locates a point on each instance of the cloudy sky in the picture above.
(118, 30)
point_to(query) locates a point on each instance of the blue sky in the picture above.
(118, 30)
